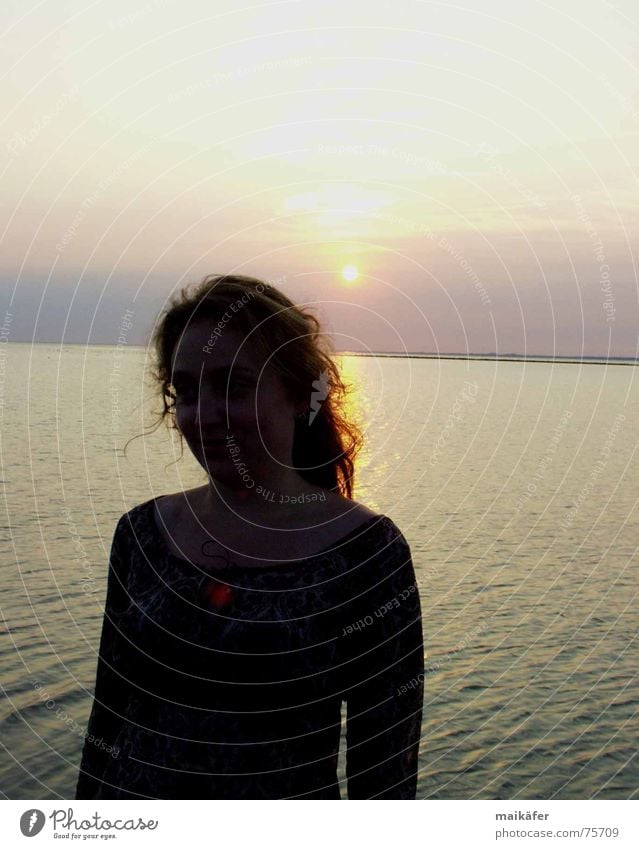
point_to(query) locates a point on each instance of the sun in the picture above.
(349, 273)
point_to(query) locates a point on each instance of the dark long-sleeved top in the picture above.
(228, 683)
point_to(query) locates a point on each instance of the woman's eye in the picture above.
(237, 387)
(187, 393)
(182, 391)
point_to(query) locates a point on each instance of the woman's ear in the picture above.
(299, 404)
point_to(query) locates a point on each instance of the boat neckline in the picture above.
(328, 550)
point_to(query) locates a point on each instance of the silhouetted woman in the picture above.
(240, 614)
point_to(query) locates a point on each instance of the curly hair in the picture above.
(290, 338)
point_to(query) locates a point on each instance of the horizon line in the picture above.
(511, 356)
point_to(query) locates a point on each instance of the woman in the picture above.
(240, 614)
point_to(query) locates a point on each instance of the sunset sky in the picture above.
(476, 166)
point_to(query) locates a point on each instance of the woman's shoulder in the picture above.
(370, 528)
(139, 521)
(338, 507)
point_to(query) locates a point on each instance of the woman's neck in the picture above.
(286, 497)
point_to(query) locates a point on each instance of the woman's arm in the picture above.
(385, 686)
(111, 688)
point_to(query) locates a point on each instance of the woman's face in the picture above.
(223, 390)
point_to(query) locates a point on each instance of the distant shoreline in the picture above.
(421, 355)
(507, 358)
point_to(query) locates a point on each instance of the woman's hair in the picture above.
(290, 339)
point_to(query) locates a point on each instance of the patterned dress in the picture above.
(228, 684)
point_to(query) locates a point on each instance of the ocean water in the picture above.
(514, 483)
